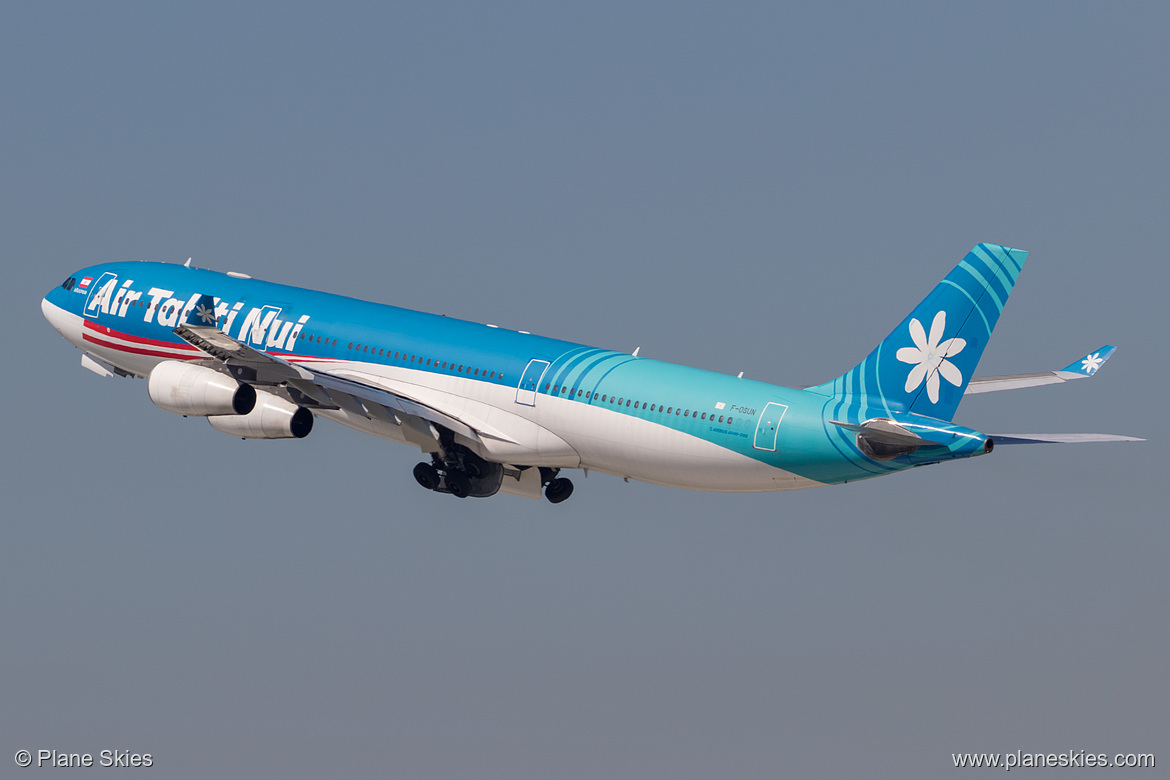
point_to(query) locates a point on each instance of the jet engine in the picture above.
(197, 391)
(272, 417)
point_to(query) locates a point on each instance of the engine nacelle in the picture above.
(272, 418)
(198, 391)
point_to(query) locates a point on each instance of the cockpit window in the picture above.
(68, 283)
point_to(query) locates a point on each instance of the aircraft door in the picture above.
(101, 293)
(769, 426)
(530, 382)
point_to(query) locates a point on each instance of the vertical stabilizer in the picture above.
(924, 365)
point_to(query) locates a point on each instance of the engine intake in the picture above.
(198, 391)
(272, 418)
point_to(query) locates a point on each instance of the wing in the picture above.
(1079, 369)
(324, 390)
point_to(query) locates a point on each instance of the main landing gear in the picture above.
(463, 474)
(556, 489)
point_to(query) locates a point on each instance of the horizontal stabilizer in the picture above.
(1079, 369)
(891, 434)
(1057, 438)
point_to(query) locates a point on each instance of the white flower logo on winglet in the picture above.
(205, 314)
(1091, 363)
(927, 355)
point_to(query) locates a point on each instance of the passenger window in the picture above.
(579, 392)
(627, 403)
(687, 413)
(428, 361)
(635, 405)
(546, 385)
(720, 418)
(350, 345)
(729, 421)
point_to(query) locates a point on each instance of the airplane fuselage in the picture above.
(537, 401)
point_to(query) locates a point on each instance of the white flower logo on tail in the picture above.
(929, 357)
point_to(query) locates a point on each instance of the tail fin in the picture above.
(925, 364)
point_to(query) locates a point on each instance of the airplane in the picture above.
(505, 411)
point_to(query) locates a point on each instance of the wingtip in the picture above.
(1091, 363)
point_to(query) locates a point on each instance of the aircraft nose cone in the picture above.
(57, 317)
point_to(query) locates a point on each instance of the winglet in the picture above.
(202, 313)
(1082, 368)
(1088, 365)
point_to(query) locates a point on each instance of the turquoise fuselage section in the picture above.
(790, 429)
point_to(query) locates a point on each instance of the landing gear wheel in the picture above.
(458, 484)
(558, 490)
(426, 475)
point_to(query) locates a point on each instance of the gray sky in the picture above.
(747, 188)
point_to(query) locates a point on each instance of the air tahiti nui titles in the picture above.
(261, 326)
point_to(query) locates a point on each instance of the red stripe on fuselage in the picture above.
(94, 338)
(101, 333)
(106, 330)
